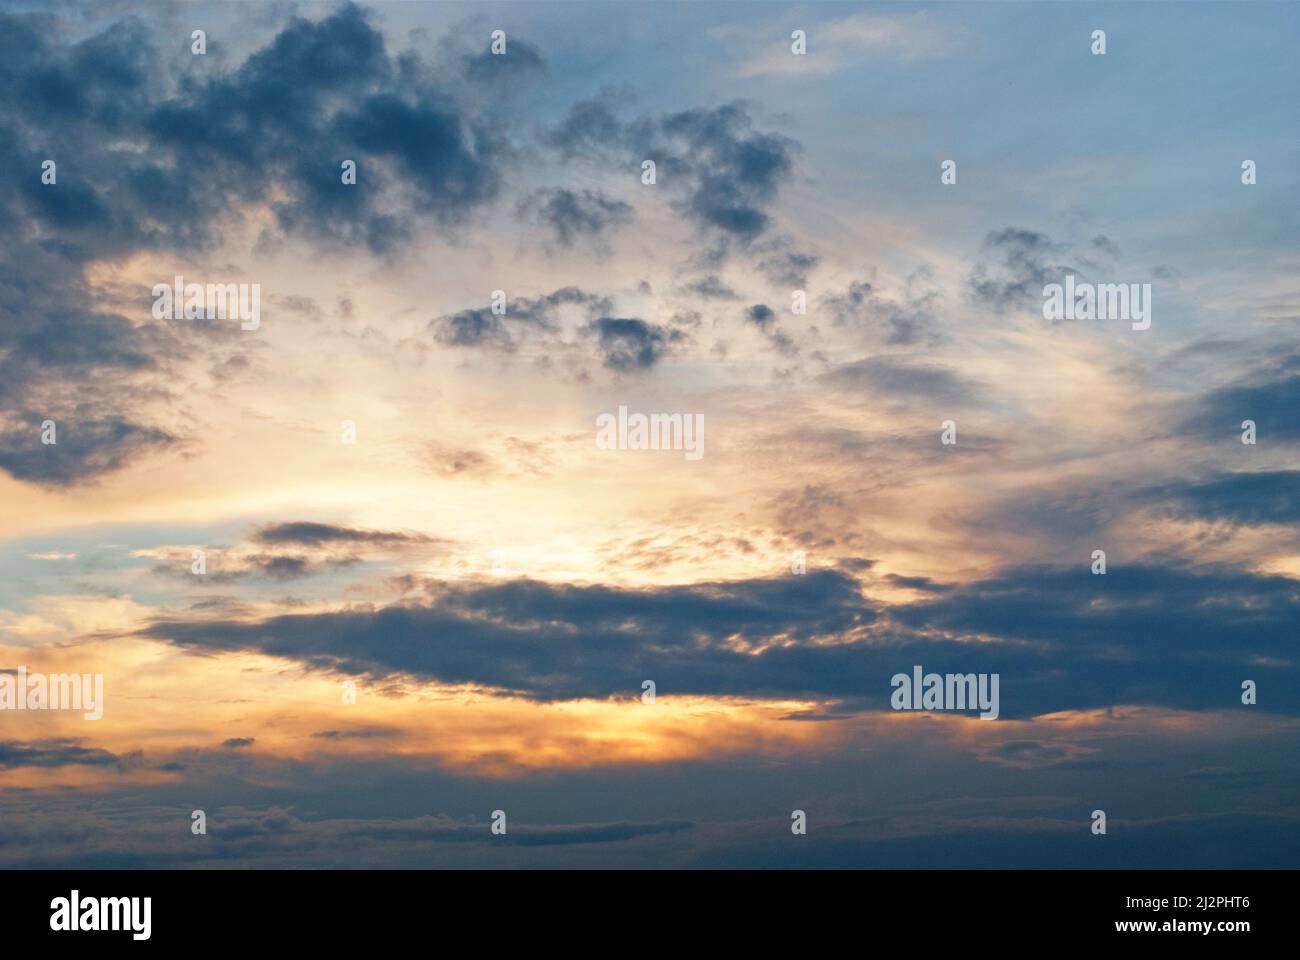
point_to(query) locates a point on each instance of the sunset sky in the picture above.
(498, 586)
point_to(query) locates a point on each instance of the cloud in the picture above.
(903, 379)
(763, 317)
(571, 215)
(56, 752)
(597, 833)
(904, 323)
(1262, 497)
(726, 172)
(318, 534)
(630, 344)
(711, 288)
(550, 641)
(782, 264)
(1270, 398)
(233, 566)
(527, 836)
(83, 449)
(432, 146)
(279, 125)
(475, 327)
(206, 145)
(1028, 264)
(365, 733)
(523, 317)
(319, 548)
(448, 462)
(1060, 638)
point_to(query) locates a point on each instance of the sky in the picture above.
(363, 579)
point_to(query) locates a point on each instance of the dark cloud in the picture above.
(277, 567)
(85, 449)
(1267, 496)
(527, 836)
(904, 379)
(211, 140)
(589, 125)
(449, 462)
(764, 317)
(553, 641)
(323, 92)
(57, 752)
(967, 819)
(1028, 263)
(54, 352)
(1060, 638)
(280, 125)
(477, 326)
(862, 307)
(281, 567)
(782, 264)
(711, 288)
(432, 146)
(1057, 513)
(524, 316)
(924, 584)
(365, 733)
(318, 534)
(1029, 751)
(630, 344)
(573, 214)
(596, 833)
(727, 172)
(236, 743)
(1269, 398)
